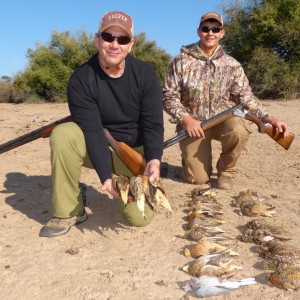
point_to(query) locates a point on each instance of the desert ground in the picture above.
(105, 258)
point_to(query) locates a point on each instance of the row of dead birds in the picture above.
(212, 251)
(141, 190)
(280, 257)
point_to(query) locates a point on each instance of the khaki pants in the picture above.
(197, 153)
(68, 156)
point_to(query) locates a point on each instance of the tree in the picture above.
(50, 66)
(6, 78)
(148, 51)
(264, 35)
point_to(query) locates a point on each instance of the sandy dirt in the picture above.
(104, 258)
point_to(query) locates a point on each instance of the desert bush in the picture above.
(264, 36)
(50, 66)
(273, 78)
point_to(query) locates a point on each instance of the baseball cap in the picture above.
(212, 15)
(116, 18)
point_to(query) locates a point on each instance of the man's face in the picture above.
(112, 53)
(210, 40)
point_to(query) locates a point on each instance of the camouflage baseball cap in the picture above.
(116, 18)
(212, 15)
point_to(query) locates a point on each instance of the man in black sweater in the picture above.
(112, 90)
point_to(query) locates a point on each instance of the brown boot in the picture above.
(225, 182)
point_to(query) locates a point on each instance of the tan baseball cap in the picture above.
(116, 18)
(212, 15)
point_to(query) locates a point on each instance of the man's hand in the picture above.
(153, 169)
(192, 127)
(282, 127)
(108, 187)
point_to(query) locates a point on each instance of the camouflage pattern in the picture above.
(204, 86)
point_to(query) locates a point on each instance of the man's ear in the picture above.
(131, 45)
(222, 32)
(96, 40)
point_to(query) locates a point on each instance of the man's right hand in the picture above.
(192, 127)
(108, 187)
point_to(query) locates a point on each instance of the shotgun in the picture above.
(237, 110)
(270, 130)
(43, 132)
(46, 130)
(134, 160)
(213, 121)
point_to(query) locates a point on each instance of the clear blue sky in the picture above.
(23, 23)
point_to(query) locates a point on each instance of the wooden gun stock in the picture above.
(269, 129)
(134, 160)
(43, 132)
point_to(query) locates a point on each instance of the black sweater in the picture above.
(129, 107)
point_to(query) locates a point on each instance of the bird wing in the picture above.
(136, 188)
(158, 195)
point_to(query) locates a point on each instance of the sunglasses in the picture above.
(108, 37)
(207, 29)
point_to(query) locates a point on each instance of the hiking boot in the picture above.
(225, 182)
(57, 226)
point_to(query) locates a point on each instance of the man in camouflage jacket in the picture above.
(203, 81)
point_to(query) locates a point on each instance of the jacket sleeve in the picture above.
(241, 89)
(151, 117)
(172, 91)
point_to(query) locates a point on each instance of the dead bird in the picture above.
(264, 224)
(150, 192)
(245, 198)
(284, 261)
(260, 236)
(193, 268)
(137, 190)
(286, 278)
(155, 194)
(207, 286)
(212, 264)
(204, 214)
(206, 246)
(205, 206)
(257, 209)
(274, 248)
(222, 270)
(204, 222)
(260, 231)
(121, 184)
(197, 232)
(199, 213)
(204, 190)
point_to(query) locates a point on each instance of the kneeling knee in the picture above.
(134, 216)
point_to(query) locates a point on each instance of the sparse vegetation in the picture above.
(50, 66)
(264, 35)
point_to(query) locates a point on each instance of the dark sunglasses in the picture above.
(206, 29)
(108, 37)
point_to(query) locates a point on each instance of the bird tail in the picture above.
(247, 281)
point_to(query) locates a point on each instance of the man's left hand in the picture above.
(153, 169)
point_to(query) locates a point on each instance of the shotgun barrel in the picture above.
(43, 132)
(213, 121)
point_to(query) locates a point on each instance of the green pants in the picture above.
(68, 156)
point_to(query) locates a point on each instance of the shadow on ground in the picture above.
(31, 195)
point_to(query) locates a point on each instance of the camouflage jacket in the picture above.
(204, 86)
